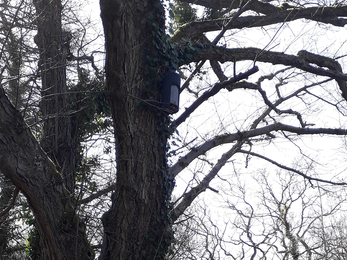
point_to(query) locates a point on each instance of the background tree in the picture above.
(281, 217)
(21, 78)
(15, 42)
(272, 93)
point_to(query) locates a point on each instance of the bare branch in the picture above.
(177, 37)
(281, 100)
(229, 138)
(274, 15)
(279, 111)
(97, 194)
(261, 7)
(189, 197)
(218, 4)
(292, 169)
(213, 91)
(85, 57)
(218, 70)
(302, 61)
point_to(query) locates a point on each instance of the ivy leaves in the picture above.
(172, 55)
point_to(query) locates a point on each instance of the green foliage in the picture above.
(174, 145)
(26, 214)
(163, 56)
(169, 55)
(32, 246)
(89, 105)
(28, 218)
(90, 115)
(211, 13)
(85, 171)
(182, 13)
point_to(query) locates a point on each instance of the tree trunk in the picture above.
(48, 186)
(7, 189)
(57, 141)
(14, 91)
(24, 162)
(137, 225)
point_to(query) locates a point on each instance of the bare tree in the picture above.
(274, 216)
(242, 100)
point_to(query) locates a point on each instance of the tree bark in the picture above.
(15, 92)
(137, 225)
(57, 141)
(23, 161)
(7, 189)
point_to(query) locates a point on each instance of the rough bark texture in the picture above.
(24, 162)
(15, 91)
(51, 40)
(7, 189)
(137, 226)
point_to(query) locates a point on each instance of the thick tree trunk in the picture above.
(24, 162)
(48, 189)
(15, 91)
(6, 194)
(137, 225)
(57, 141)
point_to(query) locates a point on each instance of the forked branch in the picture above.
(213, 91)
(302, 60)
(190, 196)
(183, 162)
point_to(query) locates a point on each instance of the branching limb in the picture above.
(273, 15)
(229, 138)
(302, 61)
(327, 62)
(292, 169)
(23, 161)
(279, 111)
(189, 197)
(218, 70)
(213, 91)
(261, 7)
(97, 194)
(85, 57)
(178, 36)
(283, 99)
